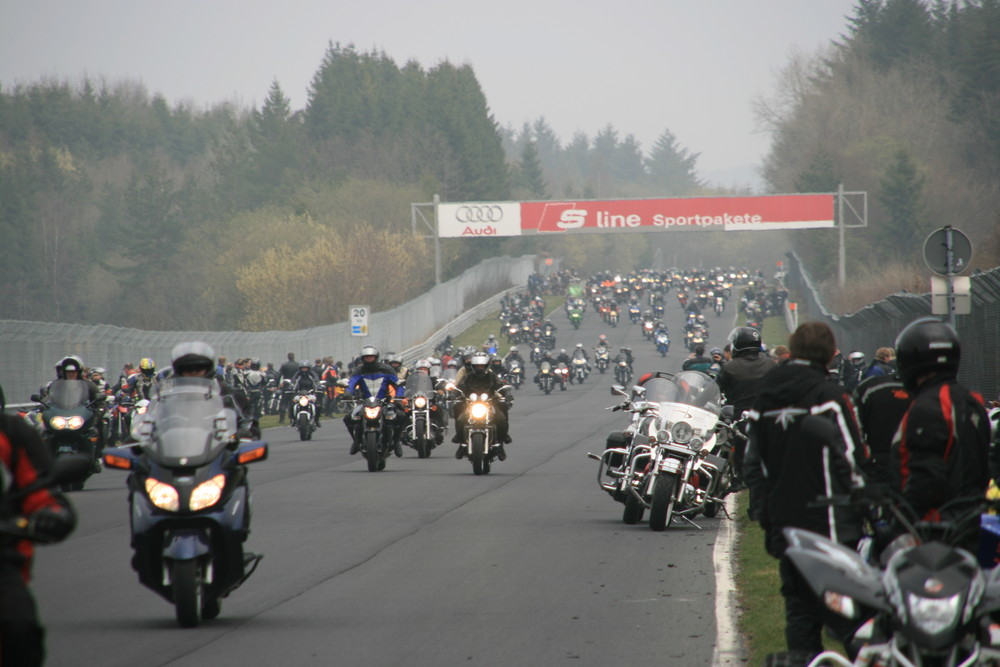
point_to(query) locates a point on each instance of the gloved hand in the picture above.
(50, 525)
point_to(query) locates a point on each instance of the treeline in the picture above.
(903, 106)
(116, 207)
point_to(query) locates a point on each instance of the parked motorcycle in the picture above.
(69, 424)
(925, 601)
(671, 469)
(480, 440)
(189, 498)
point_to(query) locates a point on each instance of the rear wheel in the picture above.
(661, 510)
(477, 444)
(371, 451)
(185, 579)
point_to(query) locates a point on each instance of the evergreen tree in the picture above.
(671, 167)
(899, 193)
(532, 177)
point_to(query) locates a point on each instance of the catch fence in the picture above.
(29, 350)
(877, 324)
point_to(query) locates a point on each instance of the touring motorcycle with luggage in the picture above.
(189, 500)
(668, 461)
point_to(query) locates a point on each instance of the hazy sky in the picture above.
(691, 66)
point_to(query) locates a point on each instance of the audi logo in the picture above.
(479, 213)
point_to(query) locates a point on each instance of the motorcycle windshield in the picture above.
(691, 388)
(189, 423)
(545, 367)
(419, 383)
(68, 394)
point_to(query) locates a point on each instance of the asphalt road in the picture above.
(422, 564)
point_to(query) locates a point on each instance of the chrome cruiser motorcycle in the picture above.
(671, 465)
(421, 433)
(189, 498)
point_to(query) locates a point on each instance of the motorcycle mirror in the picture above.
(618, 390)
(36, 398)
(728, 412)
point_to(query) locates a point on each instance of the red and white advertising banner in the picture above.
(730, 214)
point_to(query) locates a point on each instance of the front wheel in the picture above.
(661, 511)
(303, 426)
(186, 581)
(633, 509)
(371, 451)
(477, 445)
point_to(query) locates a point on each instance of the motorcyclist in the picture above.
(286, 371)
(97, 377)
(513, 355)
(480, 379)
(255, 381)
(626, 354)
(71, 368)
(438, 416)
(602, 341)
(395, 362)
(563, 357)
(742, 379)
(43, 516)
(697, 361)
(304, 381)
(491, 345)
(497, 366)
(370, 378)
(197, 359)
(941, 451)
(140, 385)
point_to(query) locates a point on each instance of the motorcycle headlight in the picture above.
(58, 423)
(162, 495)
(420, 402)
(74, 422)
(303, 400)
(478, 411)
(681, 432)
(372, 412)
(207, 493)
(933, 615)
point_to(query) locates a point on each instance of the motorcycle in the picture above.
(602, 358)
(118, 419)
(925, 601)
(719, 306)
(579, 373)
(69, 424)
(305, 414)
(647, 329)
(671, 469)
(575, 318)
(189, 499)
(479, 440)
(634, 314)
(546, 378)
(515, 373)
(374, 431)
(622, 372)
(662, 343)
(421, 433)
(613, 318)
(562, 376)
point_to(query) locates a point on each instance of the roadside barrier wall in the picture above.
(878, 324)
(30, 350)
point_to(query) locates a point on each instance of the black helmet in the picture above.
(742, 339)
(927, 345)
